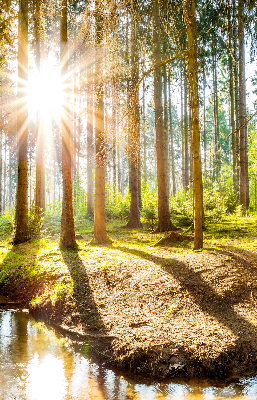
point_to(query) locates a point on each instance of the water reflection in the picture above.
(35, 365)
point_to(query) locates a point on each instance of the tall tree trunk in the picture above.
(171, 144)
(144, 134)
(10, 179)
(39, 201)
(182, 125)
(114, 143)
(243, 195)
(189, 17)
(185, 131)
(134, 148)
(90, 114)
(22, 234)
(164, 223)
(216, 167)
(232, 101)
(204, 120)
(165, 116)
(100, 234)
(67, 234)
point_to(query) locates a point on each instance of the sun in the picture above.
(45, 91)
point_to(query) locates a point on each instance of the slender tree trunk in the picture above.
(243, 195)
(144, 134)
(164, 223)
(171, 144)
(232, 101)
(216, 167)
(204, 120)
(134, 148)
(90, 114)
(165, 117)
(22, 234)
(185, 132)
(114, 143)
(10, 179)
(182, 125)
(39, 201)
(189, 17)
(67, 234)
(100, 234)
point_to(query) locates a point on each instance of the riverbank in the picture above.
(160, 311)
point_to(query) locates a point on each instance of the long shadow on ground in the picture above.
(239, 356)
(221, 308)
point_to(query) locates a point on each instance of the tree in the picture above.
(67, 234)
(100, 234)
(189, 17)
(164, 223)
(22, 233)
(243, 170)
(39, 201)
(134, 145)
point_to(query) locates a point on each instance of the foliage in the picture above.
(181, 208)
(118, 205)
(149, 211)
(6, 224)
(52, 218)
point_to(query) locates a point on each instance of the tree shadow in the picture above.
(82, 292)
(210, 302)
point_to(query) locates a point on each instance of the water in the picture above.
(36, 365)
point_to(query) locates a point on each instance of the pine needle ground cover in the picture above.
(152, 310)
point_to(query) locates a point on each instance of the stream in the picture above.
(36, 365)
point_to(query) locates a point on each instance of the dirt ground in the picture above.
(159, 311)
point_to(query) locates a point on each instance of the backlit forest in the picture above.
(139, 113)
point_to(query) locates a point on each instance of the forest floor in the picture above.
(153, 310)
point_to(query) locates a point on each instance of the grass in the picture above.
(39, 265)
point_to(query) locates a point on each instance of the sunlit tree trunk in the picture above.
(165, 115)
(204, 120)
(216, 167)
(22, 234)
(189, 17)
(185, 132)
(100, 234)
(171, 144)
(164, 223)
(114, 142)
(67, 234)
(134, 145)
(182, 124)
(39, 200)
(144, 135)
(232, 101)
(243, 189)
(90, 113)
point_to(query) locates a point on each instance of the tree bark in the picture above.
(232, 101)
(100, 234)
(243, 195)
(134, 145)
(90, 113)
(189, 17)
(22, 233)
(67, 234)
(185, 132)
(171, 144)
(164, 223)
(216, 166)
(39, 200)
